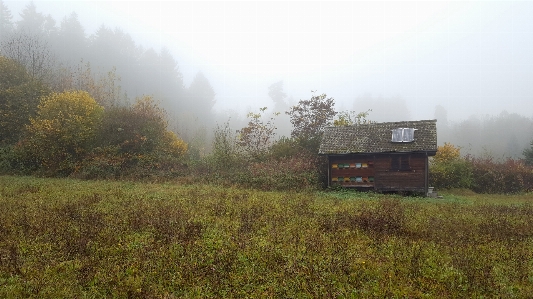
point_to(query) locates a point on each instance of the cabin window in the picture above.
(403, 135)
(400, 162)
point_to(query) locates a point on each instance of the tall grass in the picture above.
(68, 238)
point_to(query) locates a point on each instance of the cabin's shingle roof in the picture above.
(376, 138)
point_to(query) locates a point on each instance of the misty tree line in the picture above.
(76, 106)
(507, 135)
(60, 54)
(114, 69)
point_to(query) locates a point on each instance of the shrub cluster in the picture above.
(481, 174)
(291, 173)
(509, 176)
(449, 170)
(133, 142)
(71, 135)
(83, 133)
(283, 164)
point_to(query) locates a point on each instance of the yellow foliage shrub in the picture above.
(173, 145)
(447, 152)
(448, 170)
(63, 130)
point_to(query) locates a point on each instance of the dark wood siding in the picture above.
(406, 175)
(382, 172)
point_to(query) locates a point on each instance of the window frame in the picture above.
(403, 135)
(400, 163)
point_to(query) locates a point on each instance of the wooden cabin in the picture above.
(391, 156)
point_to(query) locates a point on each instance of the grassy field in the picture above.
(63, 238)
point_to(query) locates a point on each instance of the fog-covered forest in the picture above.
(115, 69)
(64, 56)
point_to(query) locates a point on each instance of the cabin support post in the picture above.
(329, 171)
(426, 176)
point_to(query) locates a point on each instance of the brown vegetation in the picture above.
(68, 238)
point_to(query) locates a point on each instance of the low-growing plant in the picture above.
(6, 159)
(285, 147)
(71, 238)
(226, 154)
(291, 173)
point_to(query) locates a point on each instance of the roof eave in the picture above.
(428, 152)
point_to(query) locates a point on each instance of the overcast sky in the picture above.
(470, 57)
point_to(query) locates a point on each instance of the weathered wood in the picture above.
(385, 174)
(396, 165)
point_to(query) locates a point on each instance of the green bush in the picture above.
(226, 156)
(138, 129)
(13, 160)
(286, 165)
(103, 163)
(6, 158)
(448, 169)
(285, 147)
(451, 174)
(134, 143)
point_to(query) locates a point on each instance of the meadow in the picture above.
(67, 238)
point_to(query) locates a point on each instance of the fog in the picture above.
(465, 60)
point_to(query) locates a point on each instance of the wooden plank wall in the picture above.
(412, 179)
(379, 169)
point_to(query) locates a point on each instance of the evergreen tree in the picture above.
(32, 22)
(109, 49)
(71, 33)
(6, 24)
(276, 93)
(193, 113)
(50, 29)
(19, 98)
(278, 96)
(528, 155)
(201, 96)
(172, 84)
(149, 73)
